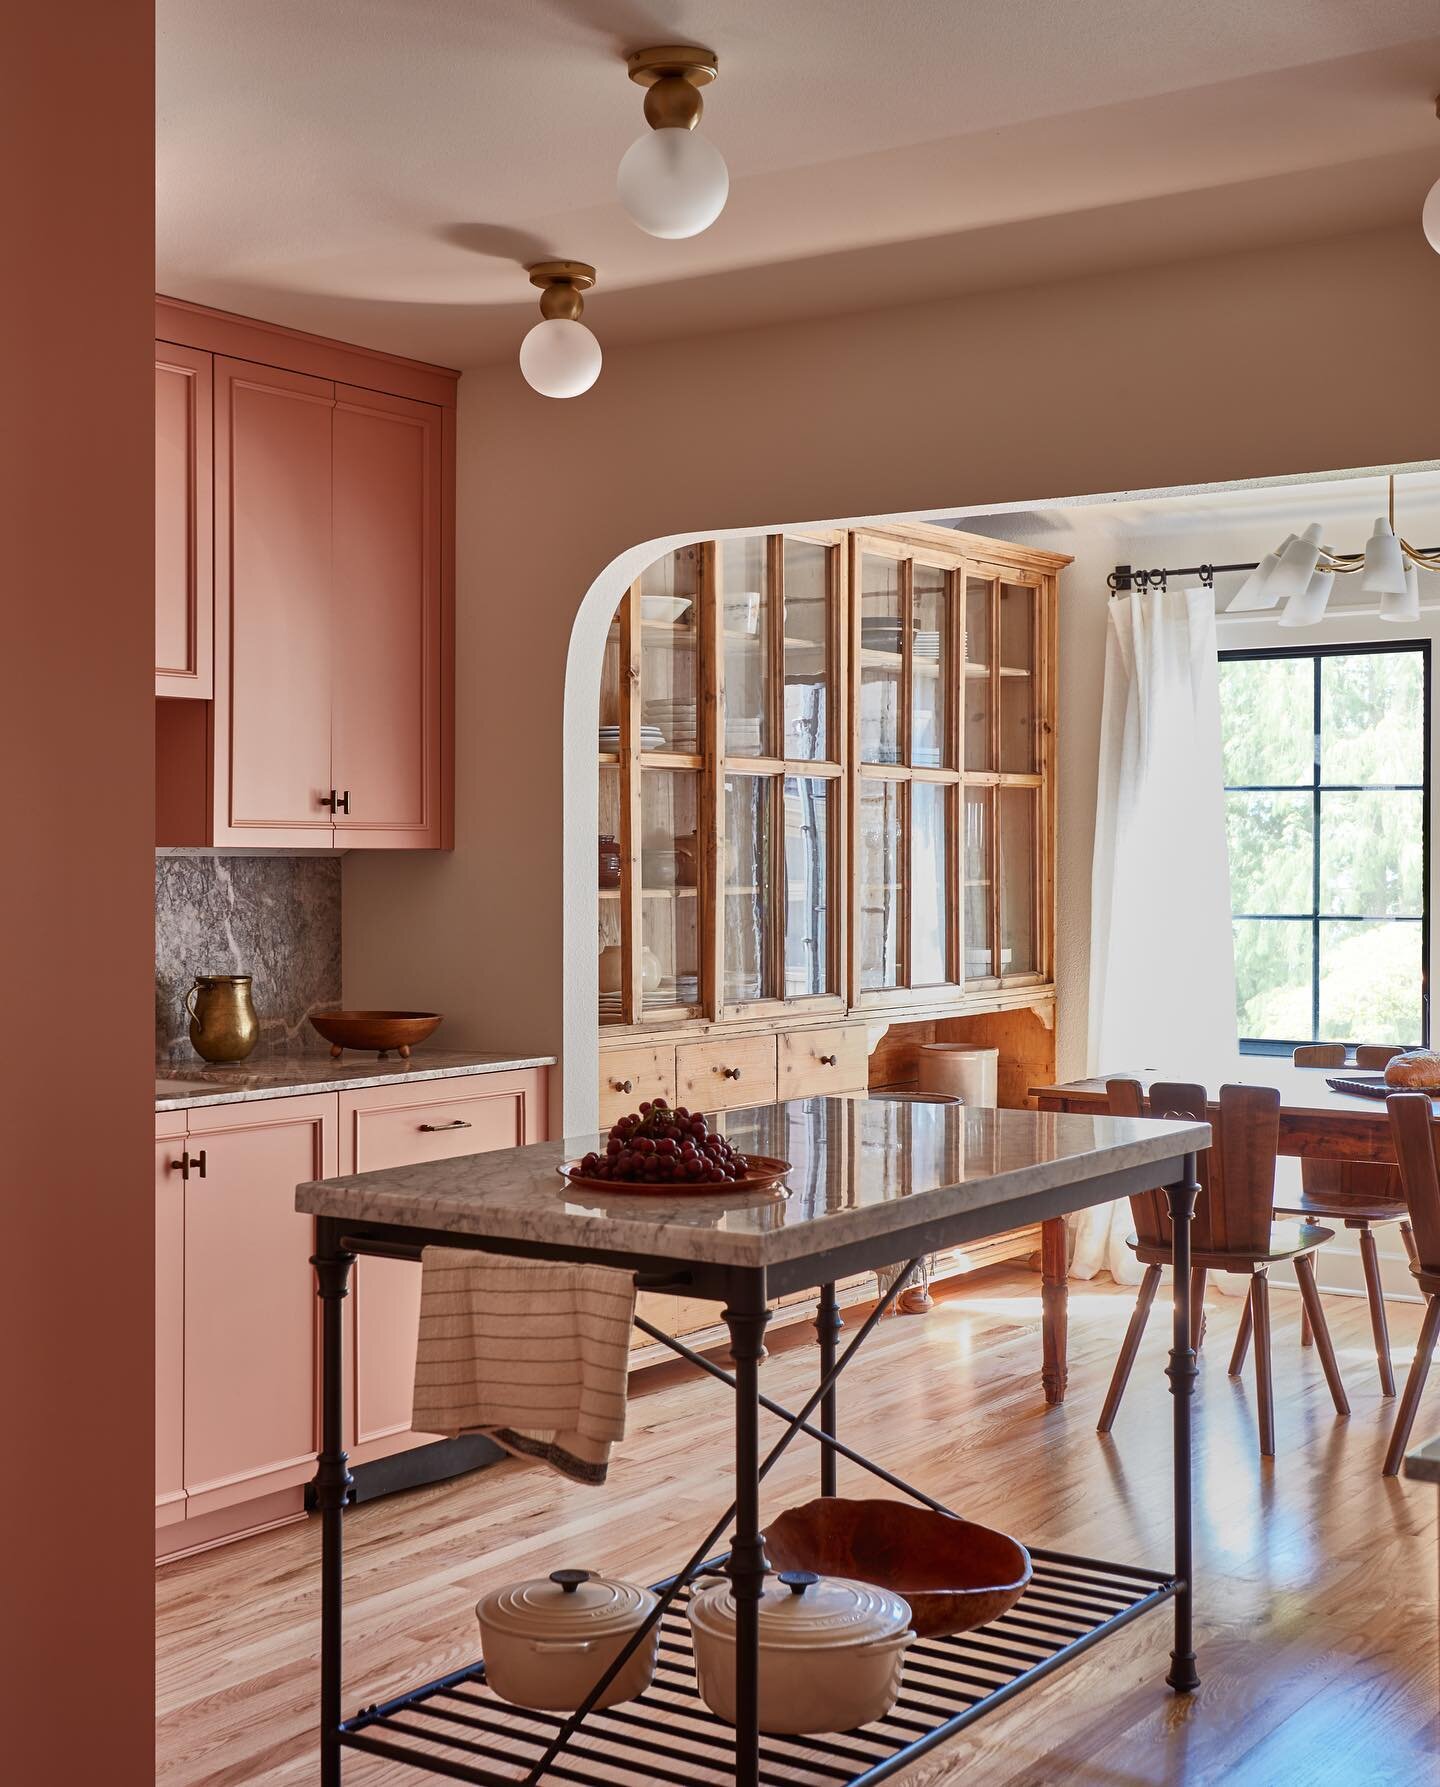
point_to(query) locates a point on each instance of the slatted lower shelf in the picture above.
(458, 1729)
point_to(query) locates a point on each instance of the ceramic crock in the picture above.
(831, 1651)
(548, 1641)
(223, 1025)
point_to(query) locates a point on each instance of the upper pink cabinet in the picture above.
(184, 539)
(331, 712)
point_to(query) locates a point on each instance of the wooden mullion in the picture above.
(774, 643)
(710, 646)
(774, 918)
(850, 624)
(631, 898)
(838, 799)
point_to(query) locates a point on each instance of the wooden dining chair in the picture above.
(1413, 1132)
(1233, 1231)
(1359, 1193)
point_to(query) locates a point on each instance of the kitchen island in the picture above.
(871, 1184)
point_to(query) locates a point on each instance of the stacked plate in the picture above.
(927, 645)
(651, 738)
(880, 632)
(676, 719)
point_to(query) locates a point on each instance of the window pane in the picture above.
(880, 688)
(880, 853)
(1372, 718)
(1371, 856)
(669, 924)
(1017, 679)
(1267, 721)
(807, 886)
(744, 621)
(929, 740)
(749, 802)
(929, 884)
(669, 592)
(807, 650)
(979, 745)
(1370, 982)
(1018, 947)
(1272, 978)
(1271, 841)
(978, 865)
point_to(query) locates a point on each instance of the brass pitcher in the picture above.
(223, 1025)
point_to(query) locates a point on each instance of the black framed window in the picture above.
(1327, 797)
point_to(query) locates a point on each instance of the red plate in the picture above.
(762, 1173)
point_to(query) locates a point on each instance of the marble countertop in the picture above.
(1423, 1464)
(860, 1169)
(180, 1087)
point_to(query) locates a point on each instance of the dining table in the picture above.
(1317, 1122)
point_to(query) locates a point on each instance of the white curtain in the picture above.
(1162, 962)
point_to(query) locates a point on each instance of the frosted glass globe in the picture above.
(673, 182)
(1430, 217)
(560, 358)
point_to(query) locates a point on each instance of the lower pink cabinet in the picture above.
(236, 1318)
(397, 1126)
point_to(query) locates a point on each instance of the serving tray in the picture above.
(1367, 1085)
(764, 1171)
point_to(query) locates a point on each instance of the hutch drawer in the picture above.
(814, 1062)
(721, 1076)
(629, 1075)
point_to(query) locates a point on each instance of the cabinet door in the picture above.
(169, 1320)
(387, 649)
(184, 541)
(251, 1356)
(273, 434)
(393, 1126)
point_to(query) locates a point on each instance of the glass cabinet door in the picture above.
(609, 874)
(744, 595)
(929, 667)
(1018, 666)
(880, 851)
(807, 867)
(882, 623)
(669, 654)
(979, 668)
(930, 881)
(748, 891)
(1019, 949)
(669, 889)
(809, 596)
(977, 862)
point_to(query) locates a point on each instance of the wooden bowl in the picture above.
(763, 1173)
(382, 1030)
(955, 1575)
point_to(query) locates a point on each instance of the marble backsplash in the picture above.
(276, 918)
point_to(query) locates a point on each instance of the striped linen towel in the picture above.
(533, 1353)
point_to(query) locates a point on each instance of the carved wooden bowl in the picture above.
(382, 1030)
(955, 1575)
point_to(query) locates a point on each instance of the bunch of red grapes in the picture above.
(659, 1146)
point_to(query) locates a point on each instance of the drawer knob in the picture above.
(435, 1128)
(828, 1060)
(731, 1073)
(623, 1085)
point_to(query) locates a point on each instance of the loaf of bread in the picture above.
(1418, 1068)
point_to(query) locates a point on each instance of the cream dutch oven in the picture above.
(547, 1642)
(831, 1651)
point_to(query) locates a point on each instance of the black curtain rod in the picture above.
(1124, 578)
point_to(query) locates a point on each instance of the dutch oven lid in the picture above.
(802, 1611)
(569, 1604)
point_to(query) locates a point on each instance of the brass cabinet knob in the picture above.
(623, 1085)
(828, 1060)
(731, 1073)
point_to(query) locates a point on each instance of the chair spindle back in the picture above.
(1413, 1130)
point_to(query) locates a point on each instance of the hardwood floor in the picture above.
(1316, 1622)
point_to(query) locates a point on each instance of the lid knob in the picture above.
(569, 1580)
(797, 1581)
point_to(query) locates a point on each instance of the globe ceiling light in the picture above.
(673, 181)
(560, 357)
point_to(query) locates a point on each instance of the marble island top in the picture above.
(860, 1169)
(180, 1087)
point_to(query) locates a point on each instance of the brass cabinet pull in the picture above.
(336, 801)
(622, 1085)
(828, 1060)
(731, 1073)
(344, 803)
(435, 1128)
(189, 1161)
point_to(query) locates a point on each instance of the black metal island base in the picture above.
(872, 1184)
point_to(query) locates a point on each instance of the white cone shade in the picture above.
(1297, 565)
(673, 182)
(1430, 217)
(1384, 573)
(1307, 609)
(1407, 606)
(560, 358)
(1255, 592)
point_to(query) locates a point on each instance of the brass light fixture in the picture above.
(560, 357)
(672, 180)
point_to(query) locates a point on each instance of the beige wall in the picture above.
(1268, 363)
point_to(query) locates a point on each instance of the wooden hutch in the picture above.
(827, 821)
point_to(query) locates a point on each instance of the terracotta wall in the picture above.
(76, 894)
(1266, 363)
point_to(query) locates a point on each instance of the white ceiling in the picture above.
(381, 170)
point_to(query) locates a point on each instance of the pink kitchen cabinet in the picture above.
(396, 1126)
(250, 1325)
(184, 540)
(170, 1145)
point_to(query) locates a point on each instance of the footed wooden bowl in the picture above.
(382, 1030)
(955, 1575)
